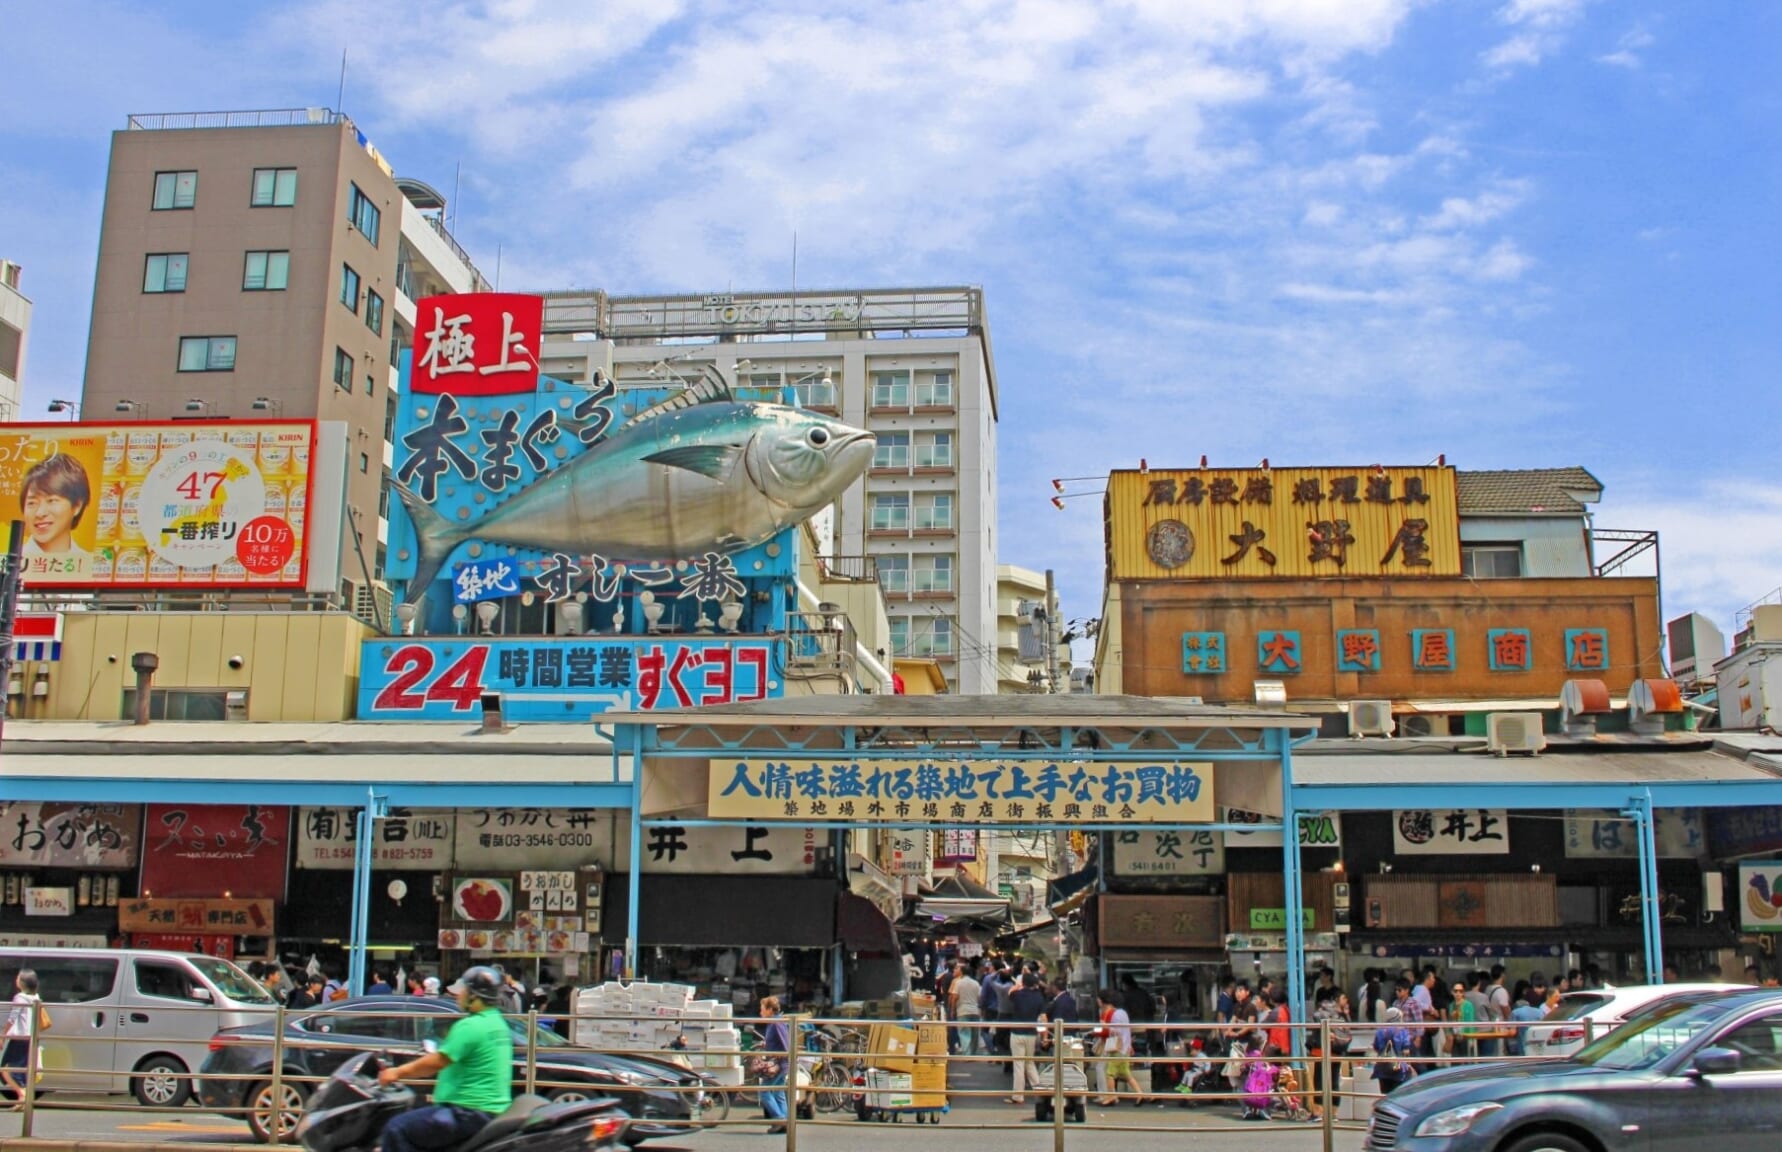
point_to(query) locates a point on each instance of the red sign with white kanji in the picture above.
(477, 344)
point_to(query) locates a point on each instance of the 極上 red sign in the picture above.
(477, 344)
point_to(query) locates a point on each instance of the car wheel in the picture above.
(161, 1082)
(716, 1108)
(1547, 1142)
(291, 1100)
(571, 1096)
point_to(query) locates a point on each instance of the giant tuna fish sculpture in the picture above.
(698, 472)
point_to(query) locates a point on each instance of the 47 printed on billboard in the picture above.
(157, 505)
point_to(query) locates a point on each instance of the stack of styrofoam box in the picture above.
(614, 1003)
(889, 1089)
(654, 1017)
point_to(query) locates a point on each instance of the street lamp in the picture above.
(72, 407)
(262, 404)
(201, 407)
(132, 407)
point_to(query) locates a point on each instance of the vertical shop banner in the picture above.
(205, 850)
(1599, 834)
(1760, 897)
(911, 852)
(1169, 852)
(561, 677)
(408, 839)
(57, 835)
(1451, 832)
(161, 505)
(958, 846)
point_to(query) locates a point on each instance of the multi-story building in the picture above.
(1029, 654)
(266, 264)
(15, 335)
(912, 365)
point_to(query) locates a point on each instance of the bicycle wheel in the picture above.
(834, 1088)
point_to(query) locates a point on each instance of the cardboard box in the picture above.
(892, 1048)
(929, 1076)
(922, 1005)
(931, 1039)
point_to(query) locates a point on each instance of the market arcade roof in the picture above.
(1074, 710)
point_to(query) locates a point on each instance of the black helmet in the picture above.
(481, 982)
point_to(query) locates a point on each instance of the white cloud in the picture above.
(1460, 213)
(1720, 542)
(1539, 28)
(1627, 50)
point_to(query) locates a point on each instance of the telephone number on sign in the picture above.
(535, 840)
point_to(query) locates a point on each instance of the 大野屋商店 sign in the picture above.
(958, 791)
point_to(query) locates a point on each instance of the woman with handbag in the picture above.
(769, 1062)
(27, 1009)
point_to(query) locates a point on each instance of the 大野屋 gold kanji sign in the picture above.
(962, 791)
(1224, 523)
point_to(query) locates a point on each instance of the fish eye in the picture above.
(817, 437)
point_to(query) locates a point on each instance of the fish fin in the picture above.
(709, 389)
(714, 460)
(435, 537)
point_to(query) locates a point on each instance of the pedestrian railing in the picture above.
(1064, 1073)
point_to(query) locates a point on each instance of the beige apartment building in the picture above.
(15, 335)
(264, 265)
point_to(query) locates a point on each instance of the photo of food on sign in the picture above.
(511, 482)
(143, 505)
(483, 901)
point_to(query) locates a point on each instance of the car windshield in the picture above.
(1652, 1035)
(1571, 1007)
(546, 1037)
(231, 981)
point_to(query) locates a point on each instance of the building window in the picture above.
(891, 512)
(364, 463)
(892, 450)
(274, 187)
(266, 272)
(374, 312)
(349, 288)
(165, 272)
(934, 390)
(934, 512)
(175, 190)
(934, 574)
(818, 393)
(900, 635)
(363, 214)
(890, 389)
(1491, 561)
(370, 384)
(207, 353)
(931, 636)
(343, 370)
(934, 450)
(894, 574)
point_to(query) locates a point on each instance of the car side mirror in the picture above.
(202, 995)
(429, 1046)
(1716, 1062)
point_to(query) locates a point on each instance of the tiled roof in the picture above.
(1524, 491)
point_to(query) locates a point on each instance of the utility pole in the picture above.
(9, 607)
(1051, 649)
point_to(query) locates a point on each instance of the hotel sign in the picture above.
(973, 792)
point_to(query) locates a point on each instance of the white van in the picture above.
(128, 1020)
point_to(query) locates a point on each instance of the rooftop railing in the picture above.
(255, 118)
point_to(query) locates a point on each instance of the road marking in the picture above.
(176, 1126)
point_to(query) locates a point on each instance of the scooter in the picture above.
(349, 1111)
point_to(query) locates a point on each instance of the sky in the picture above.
(1520, 233)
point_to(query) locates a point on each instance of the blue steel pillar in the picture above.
(359, 938)
(633, 875)
(1651, 918)
(1296, 937)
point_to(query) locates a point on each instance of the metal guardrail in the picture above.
(255, 118)
(1063, 1073)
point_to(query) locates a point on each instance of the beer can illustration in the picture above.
(141, 450)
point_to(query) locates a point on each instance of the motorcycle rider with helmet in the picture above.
(475, 1070)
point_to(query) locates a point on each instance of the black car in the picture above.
(1695, 1070)
(663, 1099)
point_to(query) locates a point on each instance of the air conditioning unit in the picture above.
(1507, 732)
(1419, 725)
(1370, 718)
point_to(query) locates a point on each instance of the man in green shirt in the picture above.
(475, 1069)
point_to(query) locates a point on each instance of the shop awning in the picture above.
(726, 911)
(862, 927)
(1577, 777)
(962, 908)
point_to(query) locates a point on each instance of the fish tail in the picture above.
(435, 537)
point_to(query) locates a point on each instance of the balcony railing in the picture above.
(864, 569)
(256, 118)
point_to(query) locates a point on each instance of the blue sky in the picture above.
(1518, 232)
